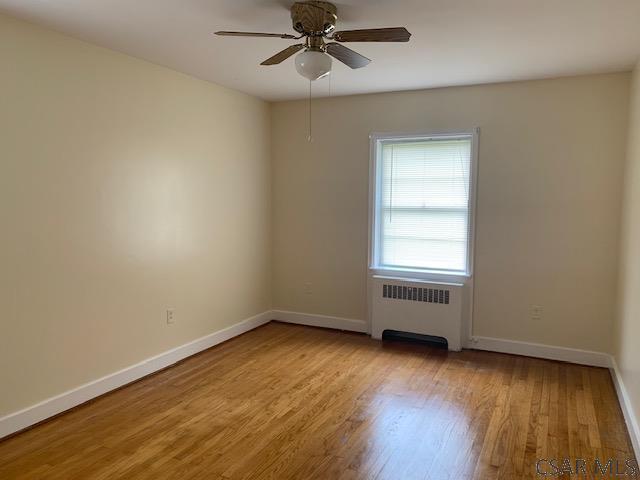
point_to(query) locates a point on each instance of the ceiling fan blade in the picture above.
(396, 34)
(347, 56)
(283, 55)
(256, 34)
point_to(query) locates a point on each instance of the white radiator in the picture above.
(416, 306)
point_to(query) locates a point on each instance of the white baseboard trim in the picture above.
(324, 321)
(549, 352)
(627, 408)
(22, 419)
(14, 422)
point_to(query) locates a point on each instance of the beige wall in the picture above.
(550, 170)
(627, 351)
(125, 188)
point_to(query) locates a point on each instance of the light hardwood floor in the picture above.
(286, 401)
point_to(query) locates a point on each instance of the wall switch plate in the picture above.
(308, 289)
(536, 312)
(171, 316)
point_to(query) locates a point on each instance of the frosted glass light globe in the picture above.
(313, 65)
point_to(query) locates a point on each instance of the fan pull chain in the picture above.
(310, 137)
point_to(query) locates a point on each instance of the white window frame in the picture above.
(375, 187)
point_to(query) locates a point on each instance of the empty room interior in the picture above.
(266, 239)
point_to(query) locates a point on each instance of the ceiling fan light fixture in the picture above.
(315, 20)
(313, 65)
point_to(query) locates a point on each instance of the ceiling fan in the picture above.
(315, 21)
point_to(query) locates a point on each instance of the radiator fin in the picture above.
(416, 294)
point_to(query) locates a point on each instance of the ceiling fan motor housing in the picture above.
(314, 18)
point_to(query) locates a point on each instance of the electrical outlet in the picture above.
(536, 312)
(308, 289)
(171, 316)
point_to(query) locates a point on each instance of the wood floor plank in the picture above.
(293, 402)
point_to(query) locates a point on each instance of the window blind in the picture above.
(423, 204)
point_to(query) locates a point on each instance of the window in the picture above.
(422, 203)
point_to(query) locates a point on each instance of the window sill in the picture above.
(420, 275)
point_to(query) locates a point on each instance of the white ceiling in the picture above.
(454, 42)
